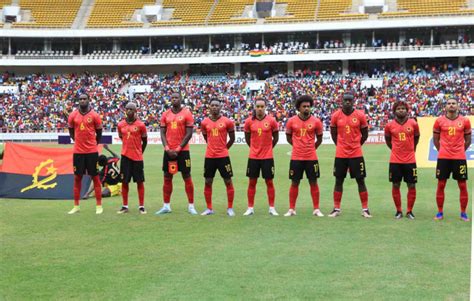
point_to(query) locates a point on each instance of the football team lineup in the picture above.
(304, 132)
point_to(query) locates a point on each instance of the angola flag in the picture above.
(30, 172)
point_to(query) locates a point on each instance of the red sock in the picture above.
(364, 199)
(141, 194)
(337, 195)
(77, 189)
(397, 198)
(293, 196)
(97, 190)
(463, 196)
(315, 195)
(440, 194)
(167, 189)
(208, 195)
(230, 195)
(125, 189)
(411, 198)
(189, 187)
(251, 190)
(270, 192)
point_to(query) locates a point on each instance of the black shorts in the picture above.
(267, 166)
(356, 167)
(86, 164)
(445, 167)
(222, 164)
(183, 159)
(399, 171)
(131, 169)
(310, 167)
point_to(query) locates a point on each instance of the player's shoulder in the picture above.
(122, 123)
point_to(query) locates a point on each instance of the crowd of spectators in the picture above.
(45, 101)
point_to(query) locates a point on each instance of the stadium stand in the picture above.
(297, 11)
(32, 54)
(46, 100)
(408, 8)
(186, 12)
(337, 10)
(230, 12)
(115, 13)
(49, 13)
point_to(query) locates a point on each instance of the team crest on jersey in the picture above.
(221, 125)
(408, 129)
(135, 129)
(180, 118)
(460, 124)
(310, 126)
(354, 120)
(89, 120)
(265, 124)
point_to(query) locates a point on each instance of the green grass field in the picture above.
(49, 255)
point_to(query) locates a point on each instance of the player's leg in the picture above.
(395, 177)
(268, 173)
(358, 171)
(312, 173)
(411, 177)
(225, 169)
(253, 172)
(295, 175)
(397, 199)
(79, 169)
(91, 166)
(125, 175)
(460, 174)
(138, 176)
(167, 191)
(184, 166)
(443, 171)
(210, 168)
(340, 171)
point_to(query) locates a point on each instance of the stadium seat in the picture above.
(230, 12)
(414, 8)
(115, 13)
(297, 11)
(49, 13)
(186, 12)
(337, 10)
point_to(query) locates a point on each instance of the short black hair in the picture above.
(348, 96)
(304, 98)
(215, 99)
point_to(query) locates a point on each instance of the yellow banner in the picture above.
(426, 153)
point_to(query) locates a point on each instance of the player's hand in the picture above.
(172, 154)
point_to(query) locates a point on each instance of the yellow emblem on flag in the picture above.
(44, 183)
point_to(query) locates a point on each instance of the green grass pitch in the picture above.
(48, 255)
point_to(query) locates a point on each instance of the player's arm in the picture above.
(289, 138)
(436, 140)
(71, 133)
(467, 141)
(144, 141)
(98, 135)
(247, 138)
(388, 141)
(417, 139)
(334, 134)
(365, 134)
(170, 152)
(187, 137)
(106, 146)
(275, 136)
(319, 140)
(231, 139)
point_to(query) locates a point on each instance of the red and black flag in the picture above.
(30, 172)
